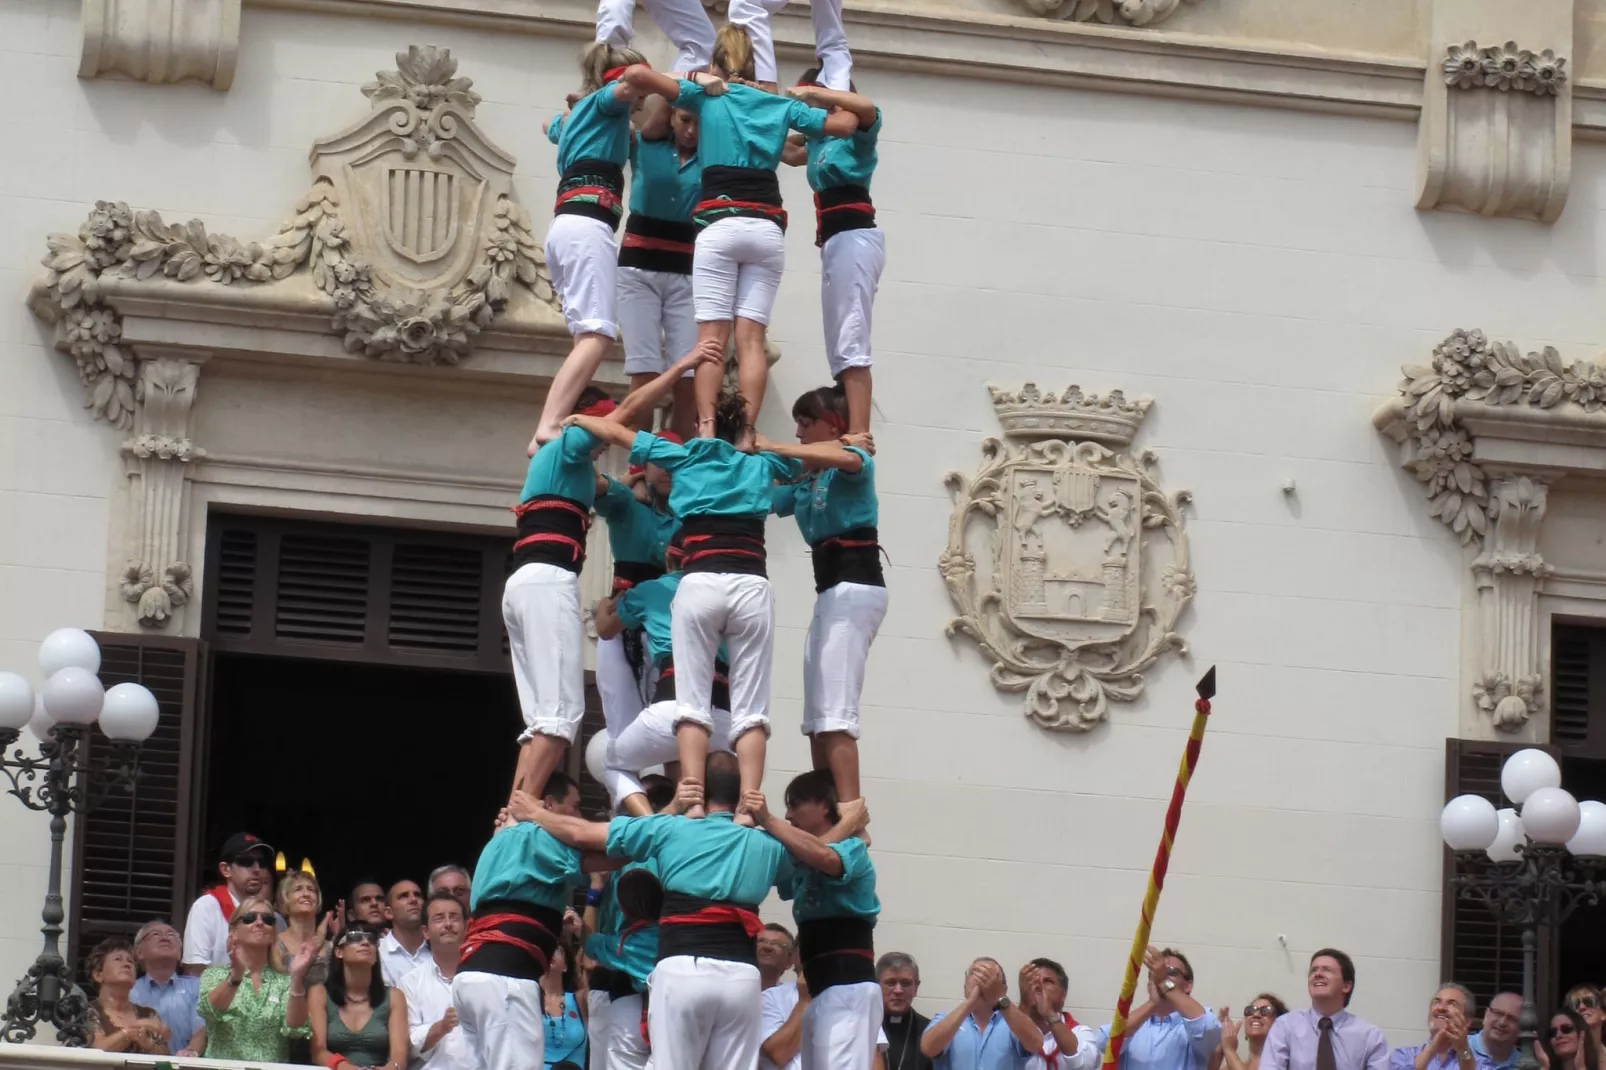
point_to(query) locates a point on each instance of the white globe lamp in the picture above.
(1469, 823)
(69, 648)
(1550, 816)
(40, 724)
(597, 756)
(129, 714)
(1526, 772)
(1504, 847)
(1590, 839)
(73, 696)
(16, 702)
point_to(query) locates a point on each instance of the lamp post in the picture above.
(1530, 868)
(65, 779)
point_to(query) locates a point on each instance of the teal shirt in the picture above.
(707, 858)
(528, 864)
(844, 161)
(636, 532)
(648, 606)
(596, 128)
(563, 467)
(661, 185)
(830, 501)
(714, 478)
(634, 953)
(852, 895)
(746, 127)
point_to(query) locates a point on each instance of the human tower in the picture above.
(686, 637)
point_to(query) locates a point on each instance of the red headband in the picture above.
(807, 81)
(612, 73)
(597, 408)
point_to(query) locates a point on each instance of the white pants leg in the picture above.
(750, 639)
(754, 17)
(657, 318)
(704, 1014)
(617, 685)
(584, 264)
(597, 1024)
(622, 1046)
(736, 269)
(541, 609)
(711, 607)
(616, 22)
(846, 619)
(842, 1028)
(650, 740)
(501, 1020)
(830, 39)
(850, 273)
(686, 23)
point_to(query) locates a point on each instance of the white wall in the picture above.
(1260, 273)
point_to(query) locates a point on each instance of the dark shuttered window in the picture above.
(1578, 695)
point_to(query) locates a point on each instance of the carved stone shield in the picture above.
(421, 210)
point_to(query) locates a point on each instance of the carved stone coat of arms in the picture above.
(1066, 560)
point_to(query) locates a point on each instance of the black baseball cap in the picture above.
(243, 843)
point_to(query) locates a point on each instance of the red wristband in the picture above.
(334, 1061)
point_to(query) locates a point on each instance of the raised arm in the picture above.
(862, 107)
(652, 122)
(795, 153)
(642, 79)
(941, 1032)
(606, 619)
(643, 400)
(829, 454)
(803, 846)
(840, 124)
(577, 832)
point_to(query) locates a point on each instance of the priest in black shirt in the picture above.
(899, 976)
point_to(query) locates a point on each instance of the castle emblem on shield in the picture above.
(1066, 560)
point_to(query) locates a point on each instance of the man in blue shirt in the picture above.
(1171, 1030)
(1447, 1048)
(163, 989)
(1497, 1041)
(986, 1031)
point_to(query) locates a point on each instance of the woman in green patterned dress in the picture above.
(253, 1006)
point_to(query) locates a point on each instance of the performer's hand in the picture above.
(708, 351)
(712, 84)
(689, 796)
(864, 441)
(571, 922)
(754, 803)
(504, 820)
(572, 420)
(805, 93)
(522, 807)
(855, 813)
(573, 98)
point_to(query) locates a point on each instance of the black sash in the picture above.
(836, 951)
(510, 938)
(592, 188)
(842, 208)
(626, 574)
(551, 529)
(653, 244)
(616, 983)
(665, 690)
(739, 192)
(723, 544)
(708, 929)
(851, 557)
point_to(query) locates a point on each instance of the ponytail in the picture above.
(598, 58)
(733, 52)
(730, 416)
(827, 403)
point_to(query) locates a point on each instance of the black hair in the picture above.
(391, 888)
(1346, 967)
(660, 791)
(1054, 968)
(812, 77)
(1586, 1042)
(722, 780)
(730, 416)
(558, 785)
(336, 984)
(442, 897)
(367, 878)
(816, 786)
(1173, 953)
(821, 403)
(589, 397)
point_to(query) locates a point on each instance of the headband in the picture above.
(597, 408)
(612, 73)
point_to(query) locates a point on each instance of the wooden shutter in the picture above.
(1578, 695)
(133, 854)
(1475, 948)
(349, 592)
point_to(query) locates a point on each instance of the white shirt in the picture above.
(775, 1007)
(396, 962)
(1088, 1053)
(429, 994)
(206, 933)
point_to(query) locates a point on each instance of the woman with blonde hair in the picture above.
(255, 1004)
(593, 140)
(298, 900)
(741, 247)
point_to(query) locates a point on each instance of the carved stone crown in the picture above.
(1110, 419)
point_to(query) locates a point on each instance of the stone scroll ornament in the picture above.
(1066, 559)
(1108, 12)
(410, 232)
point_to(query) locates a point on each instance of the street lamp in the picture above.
(62, 780)
(1530, 868)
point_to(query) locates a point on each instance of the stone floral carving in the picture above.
(420, 296)
(1467, 366)
(1128, 12)
(154, 601)
(1055, 557)
(1506, 67)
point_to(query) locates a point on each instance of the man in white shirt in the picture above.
(781, 1003)
(1067, 1045)
(245, 863)
(404, 948)
(433, 1037)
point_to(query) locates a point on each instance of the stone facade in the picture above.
(1262, 273)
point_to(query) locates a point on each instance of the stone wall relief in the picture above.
(1066, 559)
(1107, 12)
(161, 41)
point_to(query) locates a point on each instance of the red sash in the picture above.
(225, 901)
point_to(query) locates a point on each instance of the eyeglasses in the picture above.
(358, 936)
(1562, 1031)
(898, 982)
(775, 945)
(1260, 1010)
(1174, 971)
(1585, 1003)
(252, 917)
(250, 862)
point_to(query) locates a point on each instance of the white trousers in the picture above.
(650, 740)
(842, 1028)
(657, 317)
(501, 1020)
(846, 619)
(704, 1014)
(830, 39)
(541, 609)
(614, 1033)
(685, 22)
(738, 610)
(623, 694)
(736, 269)
(850, 273)
(584, 265)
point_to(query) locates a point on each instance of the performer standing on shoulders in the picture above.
(853, 250)
(837, 511)
(830, 39)
(684, 22)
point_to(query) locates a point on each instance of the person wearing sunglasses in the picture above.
(1564, 1045)
(1449, 1012)
(254, 1005)
(1263, 1010)
(1590, 1003)
(246, 866)
(355, 1018)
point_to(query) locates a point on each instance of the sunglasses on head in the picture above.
(1585, 1003)
(1562, 1030)
(251, 917)
(1260, 1010)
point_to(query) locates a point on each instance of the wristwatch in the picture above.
(1168, 986)
(1003, 1004)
